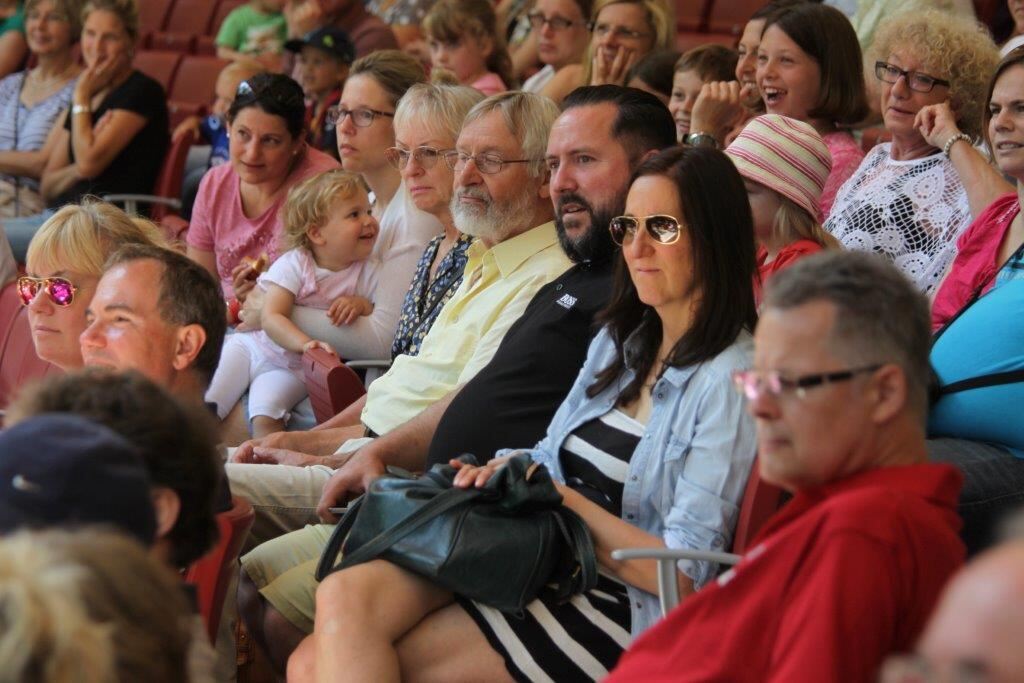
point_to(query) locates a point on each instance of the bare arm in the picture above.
(13, 49)
(59, 173)
(32, 164)
(277, 306)
(206, 259)
(97, 146)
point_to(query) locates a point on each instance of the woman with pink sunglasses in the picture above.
(64, 263)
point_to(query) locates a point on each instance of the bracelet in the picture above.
(80, 109)
(701, 139)
(950, 142)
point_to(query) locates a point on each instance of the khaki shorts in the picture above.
(284, 571)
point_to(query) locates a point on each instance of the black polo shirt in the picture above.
(511, 401)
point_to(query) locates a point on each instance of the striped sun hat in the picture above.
(784, 155)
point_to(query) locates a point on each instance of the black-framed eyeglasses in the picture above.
(362, 117)
(755, 383)
(916, 81)
(663, 229)
(485, 163)
(425, 156)
(286, 99)
(620, 32)
(538, 20)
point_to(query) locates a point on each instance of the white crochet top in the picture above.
(912, 212)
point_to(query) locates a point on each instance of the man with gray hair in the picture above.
(850, 569)
(501, 197)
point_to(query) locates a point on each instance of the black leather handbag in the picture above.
(502, 544)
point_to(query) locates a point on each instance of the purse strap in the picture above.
(435, 507)
(581, 548)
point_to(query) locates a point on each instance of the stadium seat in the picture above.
(153, 15)
(182, 43)
(190, 17)
(690, 14)
(205, 46)
(195, 80)
(212, 573)
(158, 65)
(730, 16)
(688, 40)
(332, 386)
(760, 501)
(166, 197)
(19, 363)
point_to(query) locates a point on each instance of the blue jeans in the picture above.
(20, 232)
(993, 486)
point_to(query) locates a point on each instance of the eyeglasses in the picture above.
(620, 32)
(916, 80)
(60, 290)
(538, 20)
(273, 90)
(662, 229)
(755, 383)
(425, 156)
(362, 117)
(485, 163)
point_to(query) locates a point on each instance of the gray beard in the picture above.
(496, 221)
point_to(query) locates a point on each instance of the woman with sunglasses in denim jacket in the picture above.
(651, 447)
(65, 261)
(236, 218)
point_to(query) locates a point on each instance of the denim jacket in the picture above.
(687, 476)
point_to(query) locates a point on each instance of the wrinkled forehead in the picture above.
(488, 134)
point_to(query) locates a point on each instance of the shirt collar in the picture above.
(512, 253)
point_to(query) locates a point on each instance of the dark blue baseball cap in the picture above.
(333, 41)
(60, 470)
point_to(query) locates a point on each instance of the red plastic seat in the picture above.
(332, 386)
(179, 111)
(761, 500)
(159, 65)
(181, 43)
(212, 573)
(730, 16)
(688, 40)
(153, 15)
(172, 173)
(691, 14)
(19, 363)
(196, 80)
(205, 46)
(190, 17)
(224, 8)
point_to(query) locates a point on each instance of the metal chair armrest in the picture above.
(366, 364)
(131, 201)
(668, 587)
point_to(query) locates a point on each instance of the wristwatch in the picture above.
(80, 109)
(700, 139)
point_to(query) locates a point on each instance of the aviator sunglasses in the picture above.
(662, 229)
(60, 290)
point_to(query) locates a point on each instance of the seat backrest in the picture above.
(211, 574)
(196, 79)
(168, 183)
(332, 386)
(224, 8)
(160, 65)
(730, 16)
(691, 14)
(761, 500)
(19, 363)
(153, 15)
(190, 16)
(10, 306)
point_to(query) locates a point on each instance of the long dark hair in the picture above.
(721, 230)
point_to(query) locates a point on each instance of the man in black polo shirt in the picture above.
(604, 132)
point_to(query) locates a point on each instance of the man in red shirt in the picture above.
(849, 570)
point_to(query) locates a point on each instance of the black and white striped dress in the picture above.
(582, 639)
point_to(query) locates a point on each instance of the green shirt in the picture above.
(15, 22)
(252, 32)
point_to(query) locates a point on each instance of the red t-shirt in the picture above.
(844, 575)
(786, 257)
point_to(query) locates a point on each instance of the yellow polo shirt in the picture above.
(498, 284)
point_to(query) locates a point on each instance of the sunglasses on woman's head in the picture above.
(662, 229)
(60, 290)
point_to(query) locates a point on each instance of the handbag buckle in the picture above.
(534, 466)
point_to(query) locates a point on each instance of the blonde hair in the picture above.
(88, 606)
(85, 235)
(950, 47)
(71, 10)
(395, 71)
(793, 222)
(451, 21)
(442, 107)
(125, 10)
(529, 118)
(310, 202)
(661, 19)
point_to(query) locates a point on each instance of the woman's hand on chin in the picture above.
(937, 124)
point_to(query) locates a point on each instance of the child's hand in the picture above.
(345, 309)
(189, 124)
(317, 344)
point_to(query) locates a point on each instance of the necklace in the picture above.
(37, 83)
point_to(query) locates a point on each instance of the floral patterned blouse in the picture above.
(426, 297)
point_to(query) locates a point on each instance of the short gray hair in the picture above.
(880, 316)
(529, 118)
(441, 107)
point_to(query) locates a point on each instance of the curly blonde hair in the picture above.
(953, 48)
(310, 202)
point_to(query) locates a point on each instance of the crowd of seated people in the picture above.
(654, 273)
